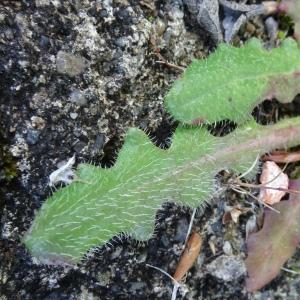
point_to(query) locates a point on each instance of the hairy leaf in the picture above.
(103, 203)
(232, 81)
(276, 242)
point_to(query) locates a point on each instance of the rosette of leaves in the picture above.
(123, 200)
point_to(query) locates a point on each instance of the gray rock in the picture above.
(68, 63)
(78, 97)
(38, 122)
(32, 136)
(227, 268)
(9, 34)
(227, 248)
(236, 15)
(272, 28)
(121, 42)
(99, 143)
(207, 12)
(165, 240)
(138, 285)
(181, 230)
(116, 253)
(78, 147)
(73, 115)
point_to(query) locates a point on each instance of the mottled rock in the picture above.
(99, 143)
(38, 122)
(135, 286)
(68, 63)
(116, 253)
(73, 115)
(227, 268)
(79, 146)
(32, 136)
(78, 97)
(181, 230)
(207, 14)
(227, 248)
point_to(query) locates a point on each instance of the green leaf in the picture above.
(232, 81)
(104, 203)
(275, 243)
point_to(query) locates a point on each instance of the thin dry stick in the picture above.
(182, 69)
(164, 272)
(237, 183)
(190, 228)
(237, 186)
(262, 186)
(175, 288)
(243, 191)
(175, 282)
(250, 169)
(290, 271)
(162, 60)
(236, 189)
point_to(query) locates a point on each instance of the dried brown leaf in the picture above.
(189, 256)
(276, 242)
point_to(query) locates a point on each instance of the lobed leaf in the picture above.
(276, 242)
(124, 199)
(232, 81)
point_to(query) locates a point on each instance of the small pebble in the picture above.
(44, 42)
(73, 115)
(272, 28)
(227, 268)
(116, 253)
(37, 122)
(78, 97)
(68, 63)
(160, 27)
(227, 249)
(137, 286)
(79, 146)
(181, 230)
(99, 143)
(32, 136)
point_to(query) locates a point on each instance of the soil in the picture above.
(75, 75)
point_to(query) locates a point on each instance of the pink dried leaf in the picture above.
(272, 176)
(276, 242)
